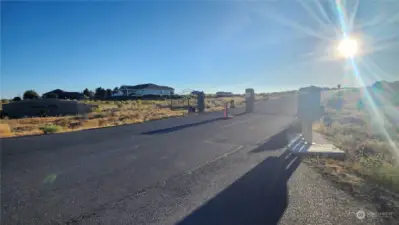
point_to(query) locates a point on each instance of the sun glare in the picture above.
(348, 47)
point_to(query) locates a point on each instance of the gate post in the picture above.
(226, 110)
(201, 101)
(249, 100)
(309, 110)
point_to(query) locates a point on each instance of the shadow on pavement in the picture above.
(259, 197)
(279, 140)
(180, 127)
(275, 142)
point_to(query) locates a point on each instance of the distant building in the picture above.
(60, 94)
(196, 92)
(144, 89)
(224, 94)
(311, 88)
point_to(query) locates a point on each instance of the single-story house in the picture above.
(224, 94)
(196, 92)
(144, 89)
(60, 94)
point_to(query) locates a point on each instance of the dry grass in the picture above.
(371, 168)
(5, 130)
(108, 113)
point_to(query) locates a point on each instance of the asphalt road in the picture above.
(191, 170)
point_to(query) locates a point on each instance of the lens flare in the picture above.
(348, 47)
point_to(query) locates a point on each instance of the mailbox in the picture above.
(309, 110)
(309, 105)
(249, 100)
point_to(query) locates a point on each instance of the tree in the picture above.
(86, 92)
(100, 93)
(30, 94)
(15, 99)
(116, 89)
(108, 93)
(91, 94)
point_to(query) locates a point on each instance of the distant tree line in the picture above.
(99, 93)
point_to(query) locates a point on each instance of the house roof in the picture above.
(144, 86)
(56, 91)
(60, 92)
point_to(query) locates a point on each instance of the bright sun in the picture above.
(348, 47)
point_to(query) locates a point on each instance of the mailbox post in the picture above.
(309, 110)
(249, 100)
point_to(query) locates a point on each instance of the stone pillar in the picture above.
(249, 100)
(201, 102)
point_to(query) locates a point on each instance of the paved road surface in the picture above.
(192, 170)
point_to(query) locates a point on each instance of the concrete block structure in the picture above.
(45, 107)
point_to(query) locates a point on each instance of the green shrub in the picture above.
(97, 109)
(15, 99)
(48, 129)
(30, 94)
(384, 173)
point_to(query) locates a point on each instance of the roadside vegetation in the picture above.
(110, 113)
(371, 167)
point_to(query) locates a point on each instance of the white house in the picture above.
(224, 94)
(144, 89)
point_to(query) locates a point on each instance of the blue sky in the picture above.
(269, 45)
